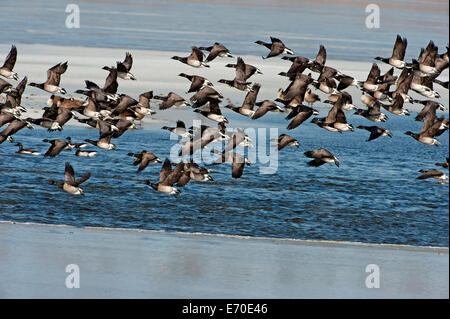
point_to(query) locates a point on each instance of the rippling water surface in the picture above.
(177, 25)
(372, 197)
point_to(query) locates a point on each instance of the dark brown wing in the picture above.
(240, 71)
(321, 57)
(399, 48)
(128, 62)
(111, 84)
(196, 54)
(10, 60)
(166, 169)
(69, 175)
(82, 179)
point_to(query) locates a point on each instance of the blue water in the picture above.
(177, 25)
(373, 196)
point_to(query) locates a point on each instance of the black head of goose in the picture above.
(320, 157)
(276, 47)
(6, 70)
(398, 54)
(71, 185)
(195, 59)
(216, 50)
(53, 79)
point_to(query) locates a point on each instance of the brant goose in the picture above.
(299, 64)
(13, 127)
(239, 80)
(61, 102)
(429, 106)
(7, 68)
(84, 153)
(216, 50)
(264, 107)
(375, 131)
(300, 114)
(428, 131)
(194, 171)
(197, 82)
(195, 59)
(285, 140)
(296, 89)
(237, 161)
(396, 107)
(249, 102)
(432, 173)
(373, 113)
(179, 130)
(426, 64)
(71, 185)
(53, 79)
(276, 47)
(403, 85)
(106, 131)
(26, 150)
(212, 112)
(6, 116)
(123, 68)
(249, 70)
(424, 86)
(321, 156)
(445, 164)
(398, 54)
(172, 99)
(144, 158)
(204, 95)
(56, 147)
(347, 103)
(335, 121)
(167, 178)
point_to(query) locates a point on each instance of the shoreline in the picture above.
(330, 243)
(148, 264)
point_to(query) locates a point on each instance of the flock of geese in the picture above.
(113, 113)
